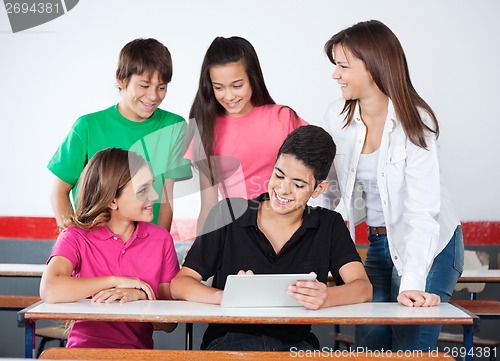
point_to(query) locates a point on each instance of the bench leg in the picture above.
(189, 336)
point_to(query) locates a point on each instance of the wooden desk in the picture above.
(191, 312)
(18, 302)
(21, 270)
(480, 276)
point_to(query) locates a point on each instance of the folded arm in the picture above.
(57, 285)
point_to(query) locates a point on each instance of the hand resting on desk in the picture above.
(413, 298)
(120, 294)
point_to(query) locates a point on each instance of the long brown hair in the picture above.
(380, 50)
(206, 108)
(103, 180)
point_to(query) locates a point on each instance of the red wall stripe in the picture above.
(481, 233)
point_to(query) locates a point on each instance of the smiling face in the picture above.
(291, 185)
(135, 203)
(354, 79)
(232, 88)
(141, 95)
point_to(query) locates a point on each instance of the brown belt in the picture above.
(377, 231)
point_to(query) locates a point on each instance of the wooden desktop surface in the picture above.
(192, 312)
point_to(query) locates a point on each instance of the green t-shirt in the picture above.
(158, 139)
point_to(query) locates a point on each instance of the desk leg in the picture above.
(336, 329)
(189, 336)
(29, 339)
(468, 342)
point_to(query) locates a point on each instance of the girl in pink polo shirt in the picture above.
(237, 125)
(111, 252)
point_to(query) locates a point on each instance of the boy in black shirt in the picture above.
(277, 233)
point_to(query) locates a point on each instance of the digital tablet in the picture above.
(262, 290)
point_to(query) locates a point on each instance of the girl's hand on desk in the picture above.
(119, 294)
(310, 294)
(413, 298)
(128, 282)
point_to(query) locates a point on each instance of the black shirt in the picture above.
(322, 244)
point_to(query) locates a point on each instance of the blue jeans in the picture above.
(233, 341)
(443, 275)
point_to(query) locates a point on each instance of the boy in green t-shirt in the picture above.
(135, 123)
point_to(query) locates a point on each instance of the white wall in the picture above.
(53, 73)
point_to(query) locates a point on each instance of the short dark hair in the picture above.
(144, 56)
(313, 146)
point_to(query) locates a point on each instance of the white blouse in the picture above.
(417, 207)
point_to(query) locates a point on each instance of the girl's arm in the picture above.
(57, 285)
(315, 294)
(187, 286)
(209, 198)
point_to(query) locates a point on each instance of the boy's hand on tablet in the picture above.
(310, 294)
(249, 272)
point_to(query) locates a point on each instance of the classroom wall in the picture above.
(53, 73)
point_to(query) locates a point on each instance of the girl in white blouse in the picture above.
(386, 172)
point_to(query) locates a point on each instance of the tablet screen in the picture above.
(262, 290)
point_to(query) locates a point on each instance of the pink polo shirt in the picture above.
(245, 148)
(149, 255)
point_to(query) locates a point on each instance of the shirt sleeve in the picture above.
(421, 212)
(179, 167)
(170, 261)
(332, 196)
(67, 246)
(206, 254)
(162, 149)
(343, 249)
(72, 155)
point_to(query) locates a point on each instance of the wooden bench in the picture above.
(192, 355)
(481, 308)
(17, 302)
(51, 333)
